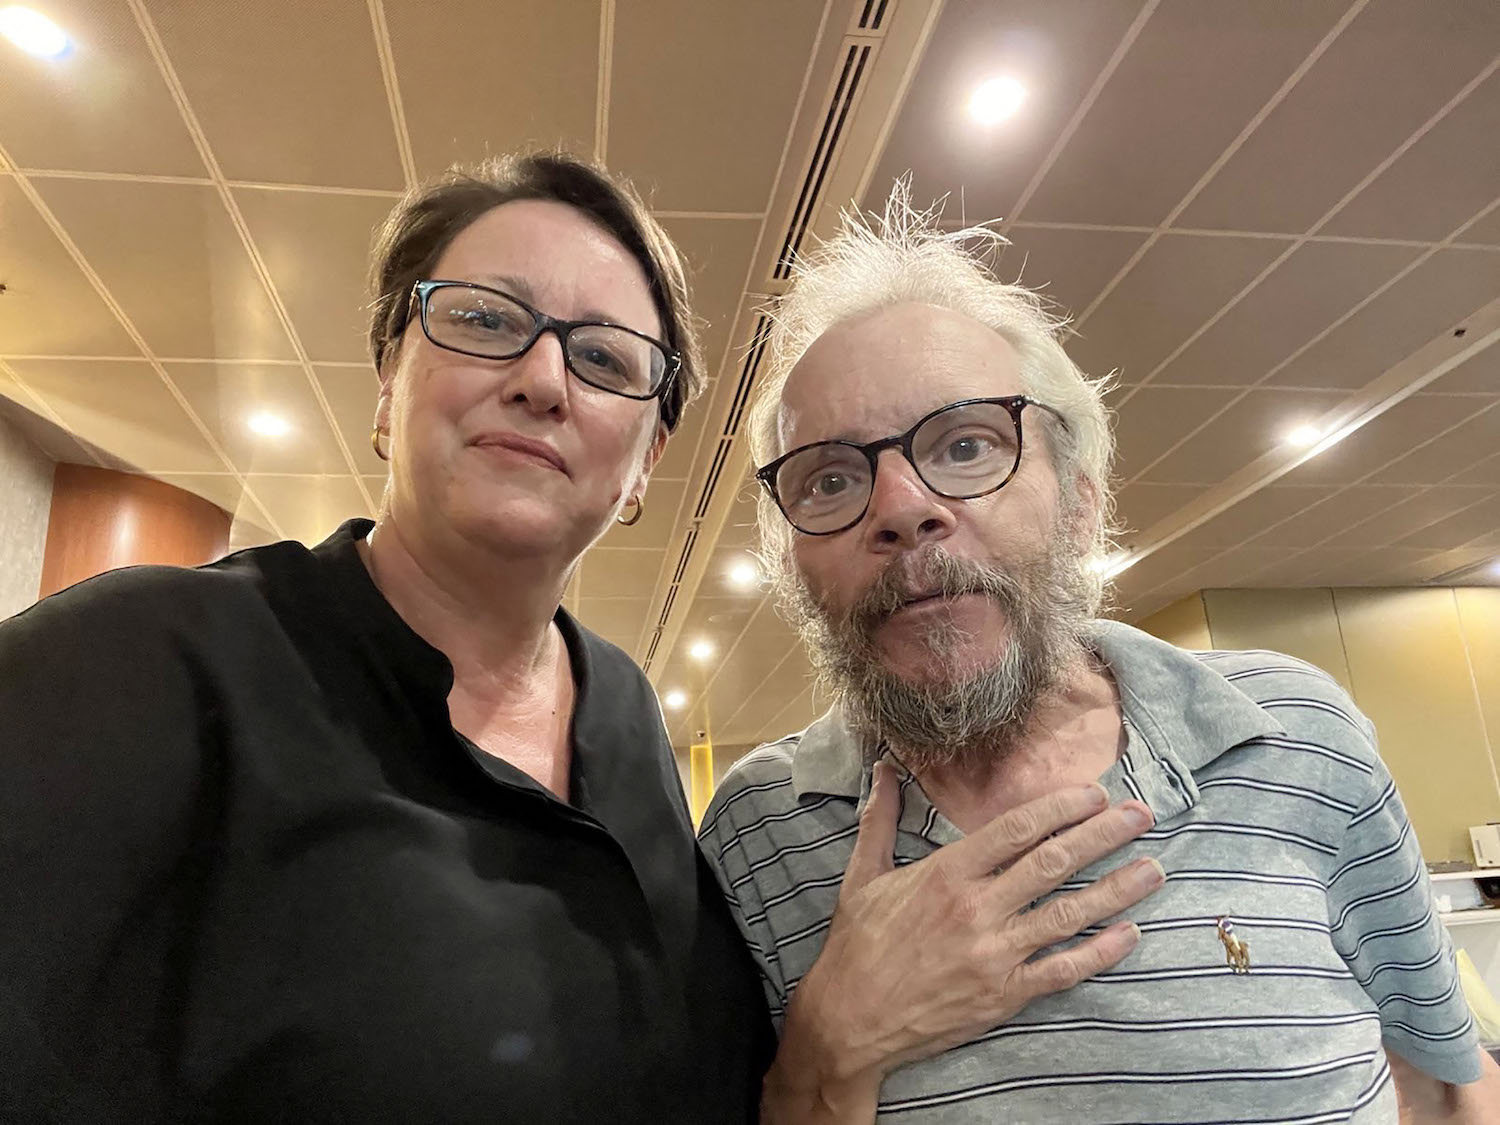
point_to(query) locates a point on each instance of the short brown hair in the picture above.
(432, 215)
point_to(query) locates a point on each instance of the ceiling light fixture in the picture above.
(994, 101)
(33, 32)
(268, 425)
(744, 574)
(1304, 436)
(701, 650)
(675, 700)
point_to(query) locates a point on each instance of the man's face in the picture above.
(939, 601)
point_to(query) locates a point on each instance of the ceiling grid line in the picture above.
(236, 217)
(128, 326)
(1311, 343)
(1132, 33)
(1234, 146)
(386, 53)
(605, 75)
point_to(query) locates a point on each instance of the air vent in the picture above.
(810, 195)
(873, 16)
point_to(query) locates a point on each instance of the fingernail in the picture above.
(1098, 796)
(1133, 933)
(1148, 873)
(1137, 816)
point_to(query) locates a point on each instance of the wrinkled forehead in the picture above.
(876, 374)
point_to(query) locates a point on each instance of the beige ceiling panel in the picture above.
(719, 620)
(1387, 566)
(1486, 230)
(1253, 426)
(1471, 442)
(244, 532)
(682, 447)
(352, 393)
(1486, 472)
(1069, 267)
(124, 408)
(227, 395)
(1478, 519)
(1199, 71)
(309, 508)
(1389, 71)
(49, 307)
(1234, 568)
(614, 617)
(1179, 283)
(318, 112)
(1480, 374)
(1140, 505)
(171, 258)
(1257, 512)
(1339, 512)
(1055, 47)
(687, 77)
(658, 522)
(718, 253)
(482, 80)
(1155, 418)
(741, 531)
(1383, 439)
(1314, 287)
(614, 573)
(317, 249)
(750, 721)
(222, 489)
(1158, 568)
(102, 107)
(717, 583)
(1441, 182)
(1405, 518)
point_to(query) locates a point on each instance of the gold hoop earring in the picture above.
(635, 516)
(375, 436)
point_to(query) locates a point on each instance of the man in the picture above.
(935, 504)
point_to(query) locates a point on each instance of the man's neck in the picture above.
(1074, 734)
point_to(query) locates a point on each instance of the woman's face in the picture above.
(519, 455)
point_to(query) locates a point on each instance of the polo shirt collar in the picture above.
(1186, 713)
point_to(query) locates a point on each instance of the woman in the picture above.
(375, 830)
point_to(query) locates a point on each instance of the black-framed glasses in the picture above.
(961, 451)
(489, 324)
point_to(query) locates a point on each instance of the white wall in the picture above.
(25, 501)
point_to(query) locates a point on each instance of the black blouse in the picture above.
(248, 871)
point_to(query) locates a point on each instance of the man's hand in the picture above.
(1426, 1100)
(925, 958)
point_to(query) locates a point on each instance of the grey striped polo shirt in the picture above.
(1273, 809)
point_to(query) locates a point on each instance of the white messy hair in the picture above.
(903, 256)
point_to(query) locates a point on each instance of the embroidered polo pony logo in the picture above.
(1236, 950)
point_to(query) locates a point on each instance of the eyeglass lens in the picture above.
(962, 452)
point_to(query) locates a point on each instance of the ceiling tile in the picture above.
(1424, 304)
(677, 458)
(1480, 518)
(1069, 267)
(1140, 505)
(1233, 568)
(1342, 509)
(1056, 47)
(124, 408)
(685, 75)
(244, 532)
(1485, 472)
(317, 250)
(226, 395)
(1176, 286)
(614, 573)
(1438, 184)
(1315, 286)
(1199, 71)
(352, 393)
(223, 489)
(1256, 512)
(718, 254)
(1486, 230)
(1154, 419)
(319, 113)
(102, 107)
(171, 258)
(716, 580)
(1251, 427)
(1472, 441)
(1383, 439)
(484, 80)
(1404, 518)
(309, 508)
(720, 620)
(1478, 374)
(615, 618)
(1389, 71)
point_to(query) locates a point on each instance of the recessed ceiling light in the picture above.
(268, 425)
(1304, 436)
(701, 650)
(744, 574)
(993, 101)
(33, 32)
(675, 700)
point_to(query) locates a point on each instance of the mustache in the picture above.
(926, 573)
